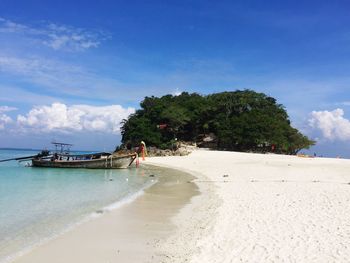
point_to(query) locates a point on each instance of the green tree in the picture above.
(241, 120)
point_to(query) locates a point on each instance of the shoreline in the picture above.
(71, 226)
(194, 222)
(120, 188)
(140, 227)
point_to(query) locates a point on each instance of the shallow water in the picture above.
(39, 203)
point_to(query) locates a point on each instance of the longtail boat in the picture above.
(61, 158)
(92, 161)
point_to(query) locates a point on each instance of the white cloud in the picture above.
(6, 109)
(69, 38)
(4, 119)
(7, 26)
(32, 66)
(56, 78)
(62, 118)
(64, 78)
(331, 124)
(57, 37)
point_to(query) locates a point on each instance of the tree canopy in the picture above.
(242, 120)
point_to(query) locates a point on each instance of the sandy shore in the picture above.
(132, 233)
(252, 208)
(269, 208)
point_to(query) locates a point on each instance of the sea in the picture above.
(37, 204)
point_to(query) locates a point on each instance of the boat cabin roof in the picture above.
(61, 143)
(62, 148)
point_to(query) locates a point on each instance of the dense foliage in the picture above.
(241, 120)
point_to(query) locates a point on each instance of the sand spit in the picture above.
(262, 208)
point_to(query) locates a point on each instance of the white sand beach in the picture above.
(252, 208)
(270, 208)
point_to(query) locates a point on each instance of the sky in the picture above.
(72, 70)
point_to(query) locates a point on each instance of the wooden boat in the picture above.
(91, 161)
(61, 158)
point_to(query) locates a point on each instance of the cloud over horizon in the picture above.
(59, 117)
(332, 124)
(4, 118)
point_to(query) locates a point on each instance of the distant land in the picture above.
(19, 149)
(38, 150)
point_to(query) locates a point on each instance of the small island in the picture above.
(242, 120)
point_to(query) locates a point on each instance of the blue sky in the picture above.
(72, 70)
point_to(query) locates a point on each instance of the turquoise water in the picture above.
(39, 203)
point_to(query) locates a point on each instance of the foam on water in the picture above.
(38, 204)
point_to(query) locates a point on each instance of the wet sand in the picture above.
(132, 233)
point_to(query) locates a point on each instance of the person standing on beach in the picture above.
(142, 150)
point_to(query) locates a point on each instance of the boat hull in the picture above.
(112, 162)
